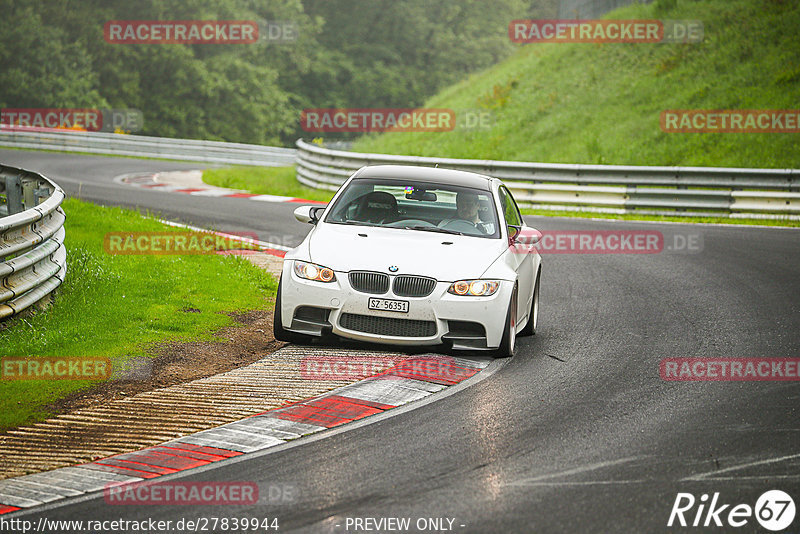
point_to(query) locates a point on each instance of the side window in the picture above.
(510, 210)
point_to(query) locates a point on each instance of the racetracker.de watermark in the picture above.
(176, 243)
(378, 120)
(730, 121)
(181, 31)
(730, 369)
(55, 368)
(182, 493)
(81, 119)
(609, 242)
(277, 31)
(344, 367)
(390, 367)
(605, 31)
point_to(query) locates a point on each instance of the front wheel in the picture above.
(509, 342)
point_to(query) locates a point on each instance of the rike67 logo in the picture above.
(774, 510)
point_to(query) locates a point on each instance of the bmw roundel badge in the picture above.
(393, 269)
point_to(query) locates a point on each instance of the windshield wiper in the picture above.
(433, 229)
(352, 222)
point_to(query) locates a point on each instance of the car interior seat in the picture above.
(377, 207)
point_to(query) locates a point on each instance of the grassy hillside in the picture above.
(601, 103)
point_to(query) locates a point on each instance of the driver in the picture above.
(467, 207)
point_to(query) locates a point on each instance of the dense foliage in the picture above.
(356, 53)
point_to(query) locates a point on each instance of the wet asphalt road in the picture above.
(576, 433)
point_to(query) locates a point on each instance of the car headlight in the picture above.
(311, 271)
(474, 288)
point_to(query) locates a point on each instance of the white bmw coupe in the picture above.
(413, 256)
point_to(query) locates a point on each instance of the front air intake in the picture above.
(387, 326)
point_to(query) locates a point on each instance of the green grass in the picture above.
(264, 181)
(601, 103)
(118, 306)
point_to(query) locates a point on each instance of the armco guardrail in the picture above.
(149, 147)
(33, 260)
(695, 191)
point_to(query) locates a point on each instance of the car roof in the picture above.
(431, 174)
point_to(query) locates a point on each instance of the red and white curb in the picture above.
(410, 380)
(162, 182)
(263, 246)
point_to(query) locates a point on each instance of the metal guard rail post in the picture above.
(33, 260)
(689, 191)
(149, 147)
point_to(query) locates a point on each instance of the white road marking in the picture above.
(213, 192)
(272, 198)
(585, 483)
(703, 476)
(743, 478)
(574, 471)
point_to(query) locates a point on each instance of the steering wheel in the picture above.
(461, 225)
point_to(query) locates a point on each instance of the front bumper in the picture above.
(317, 308)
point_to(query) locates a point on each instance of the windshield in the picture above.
(418, 206)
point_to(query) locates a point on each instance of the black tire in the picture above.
(509, 343)
(280, 333)
(533, 312)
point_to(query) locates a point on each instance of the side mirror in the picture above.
(528, 236)
(523, 235)
(308, 214)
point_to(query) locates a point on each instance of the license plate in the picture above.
(388, 305)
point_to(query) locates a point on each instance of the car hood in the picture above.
(444, 257)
